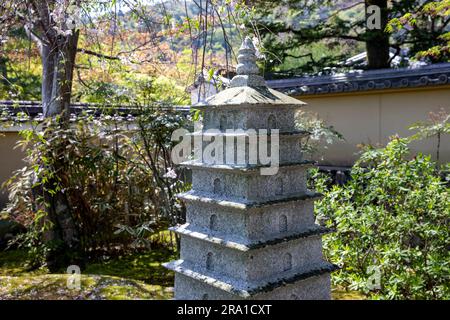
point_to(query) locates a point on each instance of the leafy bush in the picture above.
(391, 218)
(112, 178)
(321, 134)
(437, 126)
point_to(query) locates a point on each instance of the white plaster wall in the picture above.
(372, 118)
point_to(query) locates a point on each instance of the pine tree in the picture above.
(290, 29)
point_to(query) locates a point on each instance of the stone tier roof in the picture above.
(227, 242)
(210, 199)
(244, 168)
(249, 96)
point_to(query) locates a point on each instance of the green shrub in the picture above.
(112, 177)
(392, 218)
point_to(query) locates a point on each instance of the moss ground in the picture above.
(131, 276)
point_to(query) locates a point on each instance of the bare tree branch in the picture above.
(97, 54)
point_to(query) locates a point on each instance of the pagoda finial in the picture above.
(247, 58)
(247, 69)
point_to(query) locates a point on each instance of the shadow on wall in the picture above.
(11, 159)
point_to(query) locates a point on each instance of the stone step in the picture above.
(246, 289)
(249, 245)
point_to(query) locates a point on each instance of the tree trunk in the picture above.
(48, 57)
(56, 101)
(58, 53)
(58, 62)
(3, 71)
(377, 40)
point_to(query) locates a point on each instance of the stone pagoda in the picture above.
(250, 235)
